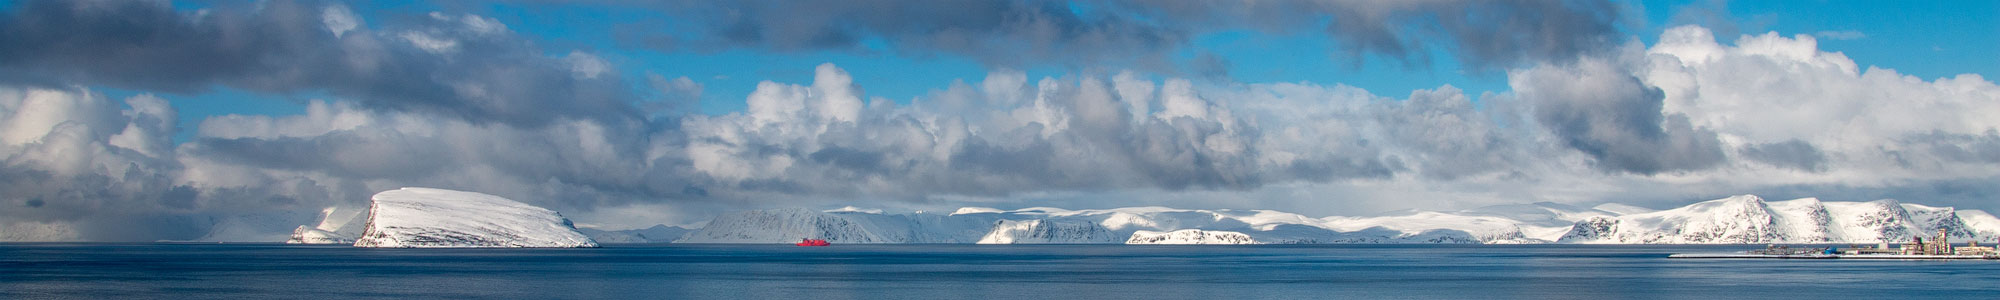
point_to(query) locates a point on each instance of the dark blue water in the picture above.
(93, 271)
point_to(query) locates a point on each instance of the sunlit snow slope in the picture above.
(426, 218)
(1748, 219)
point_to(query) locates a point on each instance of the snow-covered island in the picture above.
(437, 218)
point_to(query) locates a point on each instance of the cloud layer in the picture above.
(1146, 34)
(459, 101)
(462, 66)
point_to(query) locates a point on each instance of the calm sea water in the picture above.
(94, 271)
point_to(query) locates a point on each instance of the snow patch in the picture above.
(975, 210)
(855, 210)
(1048, 232)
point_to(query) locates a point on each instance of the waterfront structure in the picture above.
(1939, 247)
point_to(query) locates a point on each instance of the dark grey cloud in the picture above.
(133, 44)
(451, 65)
(1942, 150)
(1603, 111)
(1482, 34)
(1793, 154)
(381, 155)
(995, 32)
(1143, 34)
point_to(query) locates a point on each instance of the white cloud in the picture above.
(1178, 99)
(586, 66)
(339, 19)
(1770, 89)
(838, 98)
(482, 25)
(429, 43)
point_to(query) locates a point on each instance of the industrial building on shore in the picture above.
(1938, 247)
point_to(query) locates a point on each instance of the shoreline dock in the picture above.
(1831, 256)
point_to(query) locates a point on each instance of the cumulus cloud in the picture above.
(1447, 137)
(1866, 122)
(1603, 110)
(71, 155)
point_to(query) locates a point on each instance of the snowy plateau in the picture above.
(436, 218)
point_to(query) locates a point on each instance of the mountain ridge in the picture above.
(1741, 219)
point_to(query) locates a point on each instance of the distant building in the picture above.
(1938, 245)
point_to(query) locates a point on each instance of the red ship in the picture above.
(813, 242)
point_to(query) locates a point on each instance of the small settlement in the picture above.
(1939, 247)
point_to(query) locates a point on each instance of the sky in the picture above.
(239, 120)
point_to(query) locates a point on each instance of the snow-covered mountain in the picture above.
(1121, 225)
(425, 218)
(1980, 222)
(1748, 219)
(782, 226)
(1740, 219)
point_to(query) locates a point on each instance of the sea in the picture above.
(845, 271)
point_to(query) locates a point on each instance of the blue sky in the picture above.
(630, 114)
